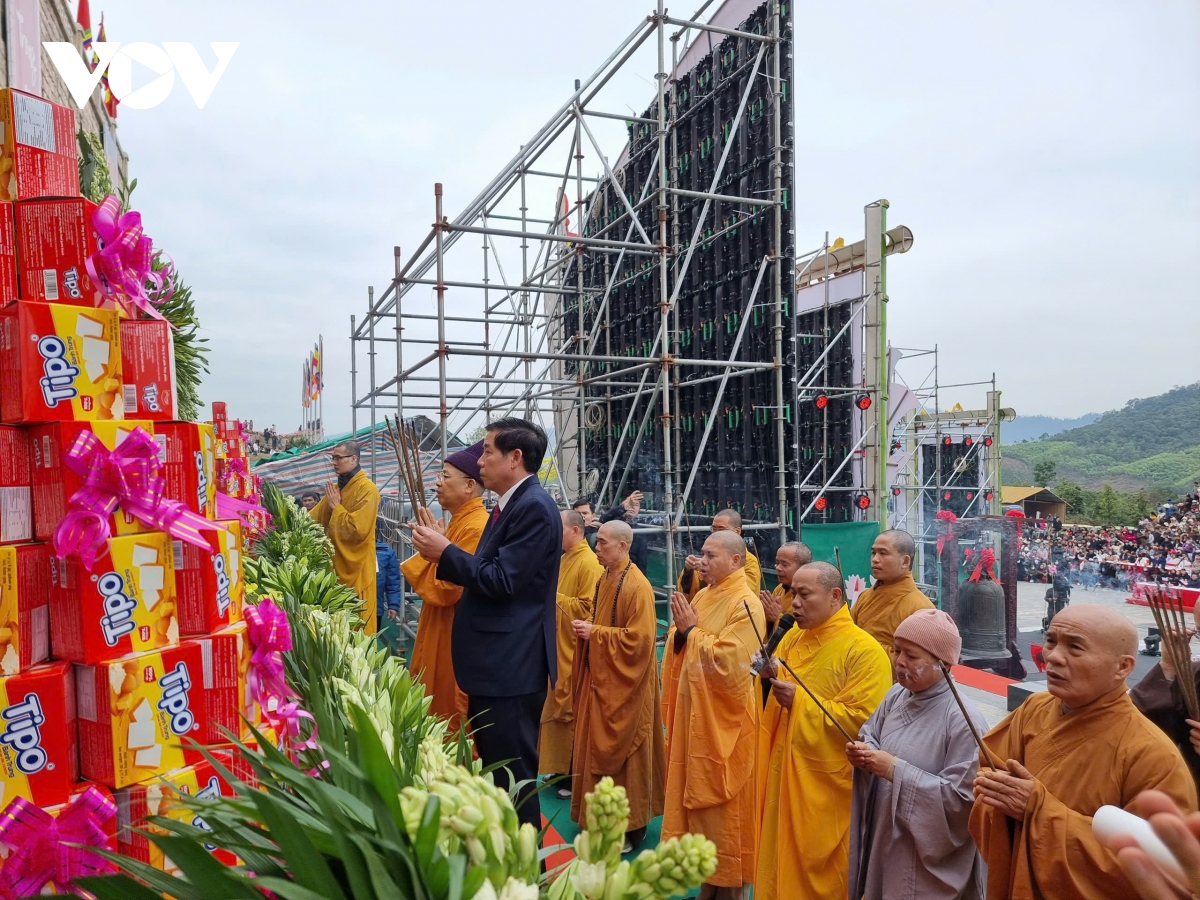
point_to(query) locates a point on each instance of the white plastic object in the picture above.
(1110, 821)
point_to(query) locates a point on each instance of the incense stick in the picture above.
(1172, 626)
(987, 754)
(820, 705)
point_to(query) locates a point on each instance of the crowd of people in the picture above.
(1161, 548)
(823, 748)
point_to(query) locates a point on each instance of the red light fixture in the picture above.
(968, 440)
(863, 402)
(946, 495)
(863, 501)
(821, 402)
(970, 495)
(989, 496)
(895, 492)
(947, 441)
(821, 503)
(987, 440)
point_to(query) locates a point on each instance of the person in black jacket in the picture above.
(627, 510)
(503, 642)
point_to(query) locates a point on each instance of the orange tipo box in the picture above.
(161, 797)
(39, 156)
(24, 606)
(54, 240)
(138, 715)
(59, 363)
(16, 519)
(208, 582)
(128, 606)
(227, 701)
(148, 368)
(188, 465)
(54, 483)
(38, 750)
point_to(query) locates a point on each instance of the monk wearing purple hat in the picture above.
(460, 493)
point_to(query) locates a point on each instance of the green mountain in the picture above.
(1151, 444)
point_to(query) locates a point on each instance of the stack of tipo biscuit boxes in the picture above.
(107, 676)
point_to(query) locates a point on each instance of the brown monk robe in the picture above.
(690, 581)
(1068, 752)
(895, 597)
(1158, 696)
(618, 719)
(711, 709)
(460, 492)
(578, 572)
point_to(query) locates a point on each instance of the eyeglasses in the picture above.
(335, 456)
(446, 476)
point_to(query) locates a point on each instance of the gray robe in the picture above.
(908, 836)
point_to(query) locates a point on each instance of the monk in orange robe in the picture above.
(690, 581)
(460, 492)
(578, 573)
(894, 597)
(711, 708)
(618, 722)
(1066, 753)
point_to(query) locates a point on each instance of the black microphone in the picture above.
(785, 624)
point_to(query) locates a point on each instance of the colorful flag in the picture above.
(110, 102)
(84, 18)
(304, 395)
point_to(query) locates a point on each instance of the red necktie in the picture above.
(496, 514)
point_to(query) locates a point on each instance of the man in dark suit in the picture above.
(503, 643)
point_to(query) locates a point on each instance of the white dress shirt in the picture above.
(507, 494)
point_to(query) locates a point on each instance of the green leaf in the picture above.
(426, 840)
(289, 890)
(473, 881)
(116, 887)
(202, 869)
(156, 878)
(308, 867)
(458, 868)
(375, 762)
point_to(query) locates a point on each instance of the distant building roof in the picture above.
(1018, 494)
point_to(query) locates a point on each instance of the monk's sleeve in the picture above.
(320, 512)
(753, 574)
(422, 574)
(725, 657)
(620, 658)
(934, 807)
(577, 604)
(868, 678)
(1159, 699)
(688, 583)
(869, 734)
(353, 520)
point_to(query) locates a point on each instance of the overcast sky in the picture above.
(1044, 155)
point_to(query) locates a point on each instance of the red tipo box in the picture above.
(9, 292)
(39, 156)
(54, 240)
(208, 582)
(16, 518)
(39, 757)
(24, 606)
(188, 462)
(148, 369)
(54, 483)
(226, 656)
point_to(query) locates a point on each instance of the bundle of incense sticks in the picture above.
(1169, 615)
(405, 443)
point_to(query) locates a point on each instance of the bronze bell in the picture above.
(981, 605)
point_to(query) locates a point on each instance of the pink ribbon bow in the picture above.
(122, 265)
(129, 477)
(270, 636)
(43, 846)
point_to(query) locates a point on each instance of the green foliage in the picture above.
(95, 180)
(191, 354)
(1105, 506)
(293, 535)
(301, 581)
(341, 837)
(1151, 444)
(1044, 472)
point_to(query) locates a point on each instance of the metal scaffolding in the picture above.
(469, 332)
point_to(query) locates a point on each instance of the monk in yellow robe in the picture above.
(578, 573)
(894, 597)
(460, 492)
(618, 723)
(788, 558)
(690, 580)
(1067, 752)
(805, 782)
(711, 708)
(347, 512)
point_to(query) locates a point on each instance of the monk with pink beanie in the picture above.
(915, 763)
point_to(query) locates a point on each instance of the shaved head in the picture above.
(618, 530)
(1090, 650)
(612, 543)
(731, 542)
(724, 553)
(826, 574)
(727, 519)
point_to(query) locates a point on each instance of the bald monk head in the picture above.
(727, 520)
(817, 593)
(612, 543)
(724, 553)
(1090, 650)
(573, 526)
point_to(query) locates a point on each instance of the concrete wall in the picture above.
(58, 24)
